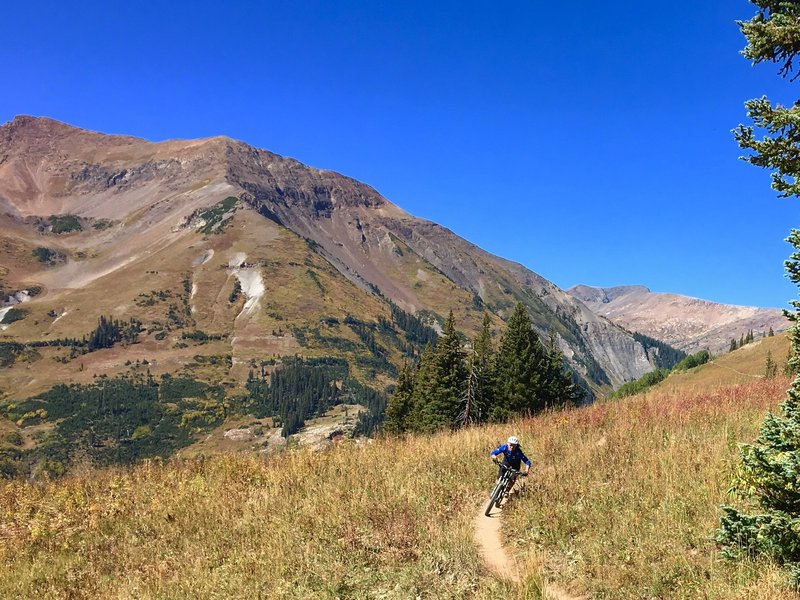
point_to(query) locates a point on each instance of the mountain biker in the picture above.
(513, 457)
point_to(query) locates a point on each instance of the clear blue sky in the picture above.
(589, 141)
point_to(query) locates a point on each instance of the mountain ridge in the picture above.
(687, 323)
(141, 205)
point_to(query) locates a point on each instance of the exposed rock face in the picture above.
(141, 204)
(689, 324)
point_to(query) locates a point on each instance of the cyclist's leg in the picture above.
(512, 485)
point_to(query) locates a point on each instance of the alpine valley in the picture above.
(196, 266)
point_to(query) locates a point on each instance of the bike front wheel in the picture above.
(494, 499)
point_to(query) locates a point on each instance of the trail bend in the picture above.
(716, 364)
(490, 544)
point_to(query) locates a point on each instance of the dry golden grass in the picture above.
(740, 366)
(626, 496)
(392, 519)
(624, 503)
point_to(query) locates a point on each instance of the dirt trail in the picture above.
(716, 364)
(489, 542)
(487, 538)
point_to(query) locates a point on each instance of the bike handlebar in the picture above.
(507, 468)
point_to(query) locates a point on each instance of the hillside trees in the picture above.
(693, 360)
(770, 467)
(297, 391)
(450, 389)
(300, 389)
(115, 420)
(477, 392)
(637, 386)
(109, 331)
(664, 355)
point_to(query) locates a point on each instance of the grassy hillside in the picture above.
(744, 365)
(624, 503)
(390, 519)
(627, 497)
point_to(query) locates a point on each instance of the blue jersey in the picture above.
(512, 458)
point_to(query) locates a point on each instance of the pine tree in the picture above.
(424, 394)
(558, 386)
(442, 406)
(770, 468)
(398, 411)
(771, 367)
(771, 332)
(478, 390)
(519, 368)
(734, 345)
(789, 367)
(484, 361)
(469, 411)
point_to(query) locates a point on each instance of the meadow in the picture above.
(626, 500)
(623, 504)
(390, 519)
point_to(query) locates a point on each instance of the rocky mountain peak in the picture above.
(42, 135)
(288, 183)
(689, 324)
(42, 156)
(587, 293)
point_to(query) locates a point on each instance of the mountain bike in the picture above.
(503, 486)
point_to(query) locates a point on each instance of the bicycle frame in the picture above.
(502, 487)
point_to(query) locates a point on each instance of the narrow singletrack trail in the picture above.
(487, 538)
(716, 364)
(489, 543)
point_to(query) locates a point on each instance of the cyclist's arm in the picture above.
(527, 462)
(499, 450)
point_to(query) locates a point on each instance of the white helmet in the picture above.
(513, 440)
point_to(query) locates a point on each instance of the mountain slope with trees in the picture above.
(216, 262)
(152, 214)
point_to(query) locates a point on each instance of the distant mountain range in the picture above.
(689, 324)
(228, 256)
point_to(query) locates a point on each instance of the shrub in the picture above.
(48, 256)
(101, 224)
(64, 223)
(693, 360)
(640, 385)
(13, 315)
